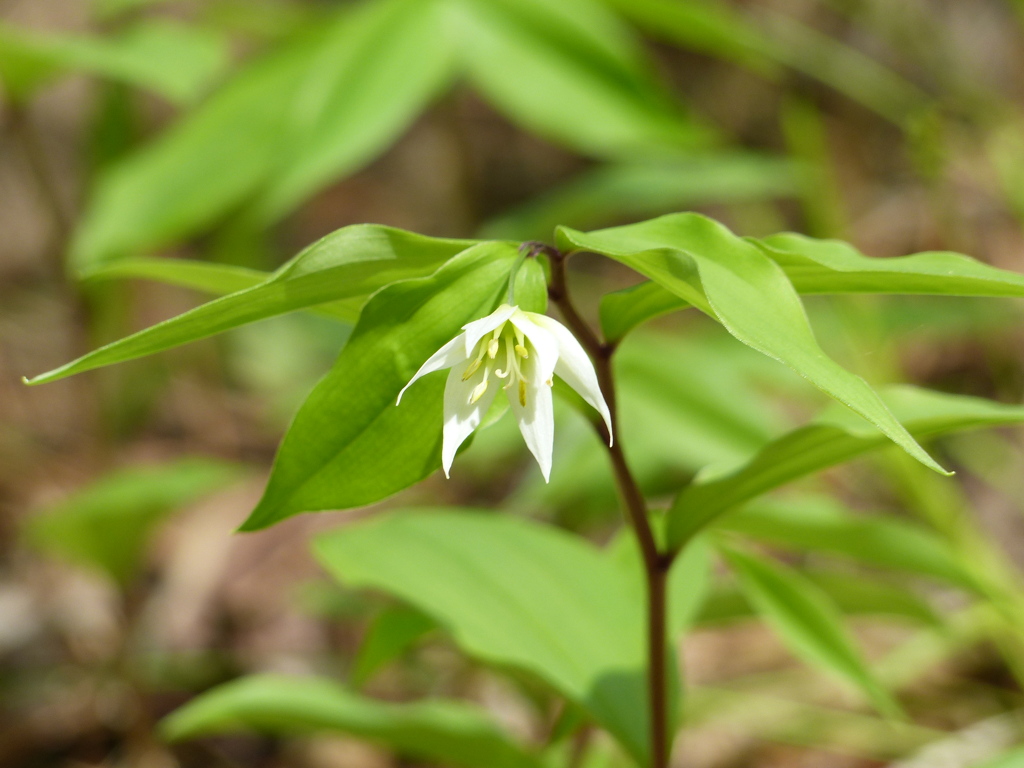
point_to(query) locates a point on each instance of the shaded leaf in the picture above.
(448, 731)
(515, 593)
(350, 444)
(392, 632)
(835, 437)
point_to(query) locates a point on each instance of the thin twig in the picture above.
(656, 563)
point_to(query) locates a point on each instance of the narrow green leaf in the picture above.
(689, 583)
(348, 264)
(703, 263)
(360, 91)
(835, 437)
(391, 633)
(638, 189)
(107, 524)
(808, 622)
(350, 444)
(516, 593)
(175, 61)
(447, 731)
(819, 524)
(569, 72)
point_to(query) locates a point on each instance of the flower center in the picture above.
(506, 344)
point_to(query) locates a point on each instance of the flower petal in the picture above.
(461, 416)
(536, 419)
(447, 356)
(575, 368)
(476, 330)
(545, 344)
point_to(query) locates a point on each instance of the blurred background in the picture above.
(235, 132)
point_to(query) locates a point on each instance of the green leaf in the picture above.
(515, 593)
(570, 72)
(835, 437)
(820, 524)
(361, 90)
(107, 524)
(622, 311)
(731, 280)
(350, 444)
(348, 264)
(391, 633)
(689, 583)
(638, 189)
(447, 731)
(175, 61)
(1012, 759)
(807, 621)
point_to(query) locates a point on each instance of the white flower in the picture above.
(518, 352)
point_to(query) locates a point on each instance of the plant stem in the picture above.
(656, 563)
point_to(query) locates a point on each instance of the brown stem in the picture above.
(656, 563)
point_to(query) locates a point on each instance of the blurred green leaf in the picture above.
(350, 444)
(570, 72)
(1012, 759)
(448, 731)
(176, 61)
(392, 632)
(107, 524)
(350, 263)
(360, 91)
(807, 621)
(822, 525)
(835, 436)
(735, 283)
(689, 585)
(512, 592)
(639, 189)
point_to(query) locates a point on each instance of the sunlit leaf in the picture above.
(348, 264)
(703, 263)
(448, 731)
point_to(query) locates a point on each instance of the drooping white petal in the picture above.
(536, 419)
(544, 344)
(461, 416)
(575, 368)
(447, 356)
(476, 330)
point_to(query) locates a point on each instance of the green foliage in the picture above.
(807, 621)
(392, 632)
(837, 436)
(513, 593)
(733, 282)
(107, 524)
(454, 733)
(350, 444)
(178, 62)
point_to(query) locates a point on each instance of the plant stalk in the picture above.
(656, 563)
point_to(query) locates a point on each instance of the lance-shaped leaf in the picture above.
(350, 263)
(734, 282)
(512, 592)
(821, 525)
(831, 266)
(571, 72)
(807, 621)
(449, 732)
(107, 524)
(350, 444)
(835, 437)
(175, 61)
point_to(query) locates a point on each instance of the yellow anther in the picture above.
(473, 368)
(522, 393)
(492, 348)
(521, 351)
(478, 391)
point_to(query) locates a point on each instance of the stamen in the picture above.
(492, 348)
(521, 351)
(473, 368)
(478, 391)
(522, 393)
